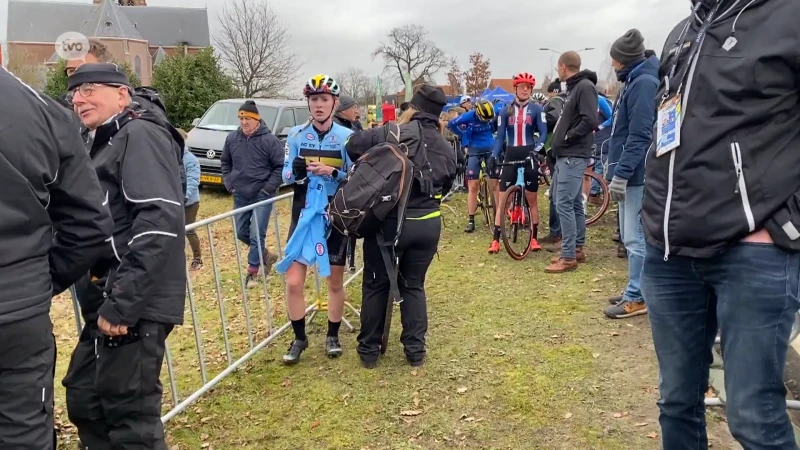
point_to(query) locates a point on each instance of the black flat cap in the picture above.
(100, 73)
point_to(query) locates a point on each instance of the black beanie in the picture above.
(554, 87)
(100, 73)
(248, 109)
(429, 99)
(628, 48)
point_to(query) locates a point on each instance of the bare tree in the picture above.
(477, 77)
(253, 44)
(357, 84)
(22, 64)
(407, 50)
(455, 77)
(608, 76)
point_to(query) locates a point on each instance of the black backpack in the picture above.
(380, 180)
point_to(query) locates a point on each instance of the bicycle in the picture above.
(486, 196)
(517, 215)
(594, 209)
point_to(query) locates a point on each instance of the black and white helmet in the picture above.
(321, 84)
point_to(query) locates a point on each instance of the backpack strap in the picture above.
(391, 264)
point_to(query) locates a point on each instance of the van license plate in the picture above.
(210, 179)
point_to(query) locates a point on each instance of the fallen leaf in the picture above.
(568, 415)
(469, 419)
(205, 419)
(462, 390)
(630, 325)
(597, 290)
(554, 336)
(595, 355)
(204, 436)
(416, 401)
(653, 435)
(414, 373)
(314, 424)
(205, 445)
(617, 415)
(287, 382)
(613, 333)
(411, 413)
(643, 424)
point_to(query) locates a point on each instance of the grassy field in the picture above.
(517, 359)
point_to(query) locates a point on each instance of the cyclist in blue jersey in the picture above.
(315, 153)
(519, 125)
(479, 138)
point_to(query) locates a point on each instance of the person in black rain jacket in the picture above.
(135, 293)
(53, 228)
(418, 240)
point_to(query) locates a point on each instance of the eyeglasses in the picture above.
(87, 89)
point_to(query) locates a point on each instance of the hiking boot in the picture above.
(494, 248)
(579, 257)
(197, 264)
(292, 356)
(621, 251)
(251, 281)
(615, 299)
(561, 266)
(269, 260)
(535, 247)
(470, 227)
(332, 347)
(626, 308)
(615, 237)
(369, 363)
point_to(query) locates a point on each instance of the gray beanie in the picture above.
(345, 102)
(628, 48)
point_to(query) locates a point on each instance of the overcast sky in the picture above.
(329, 36)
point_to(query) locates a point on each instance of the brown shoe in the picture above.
(579, 256)
(561, 266)
(550, 240)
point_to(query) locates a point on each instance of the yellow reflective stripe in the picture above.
(437, 196)
(426, 216)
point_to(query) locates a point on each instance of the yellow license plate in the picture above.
(210, 179)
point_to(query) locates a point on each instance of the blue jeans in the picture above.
(598, 169)
(568, 184)
(246, 230)
(751, 293)
(632, 235)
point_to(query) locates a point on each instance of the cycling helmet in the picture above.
(464, 99)
(321, 84)
(484, 110)
(538, 97)
(524, 77)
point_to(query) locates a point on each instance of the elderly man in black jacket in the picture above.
(135, 293)
(53, 228)
(252, 160)
(721, 216)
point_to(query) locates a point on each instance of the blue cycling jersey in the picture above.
(303, 141)
(605, 109)
(518, 125)
(479, 134)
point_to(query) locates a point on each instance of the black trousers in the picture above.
(27, 364)
(113, 389)
(415, 250)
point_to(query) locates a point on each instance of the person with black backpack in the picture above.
(402, 244)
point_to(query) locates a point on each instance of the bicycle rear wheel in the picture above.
(597, 205)
(491, 208)
(516, 233)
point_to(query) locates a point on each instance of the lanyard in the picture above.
(695, 46)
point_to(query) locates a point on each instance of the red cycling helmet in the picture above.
(524, 77)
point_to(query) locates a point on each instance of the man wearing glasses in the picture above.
(134, 294)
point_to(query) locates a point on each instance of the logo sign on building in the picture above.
(72, 45)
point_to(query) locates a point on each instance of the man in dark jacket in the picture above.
(721, 216)
(347, 113)
(134, 294)
(252, 159)
(572, 143)
(54, 227)
(634, 116)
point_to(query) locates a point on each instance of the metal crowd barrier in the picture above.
(179, 404)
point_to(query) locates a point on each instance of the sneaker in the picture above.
(615, 299)
(621, 251)
(292, 356)
(535, 247)
(626, 308)
(470, 227)
(269, 260)
(561, 266)
(332, 347)
(197, 264)
(494, 248)
(251, 281)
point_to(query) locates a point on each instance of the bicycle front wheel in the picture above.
(483, 202)
(516, 231)
(596, 205)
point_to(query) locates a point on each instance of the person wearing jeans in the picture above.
(721, 216)
(572, 144)
(252, 161)
(191, 203)
(634, 116)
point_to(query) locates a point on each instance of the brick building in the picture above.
(135, 33)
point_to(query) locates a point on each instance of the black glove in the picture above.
(299, 167)
(460, 169)
(492, 164)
